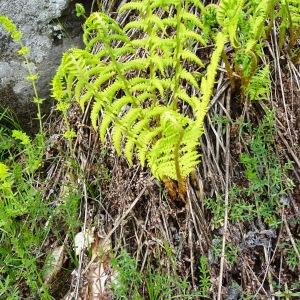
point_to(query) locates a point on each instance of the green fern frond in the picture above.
(109, 117)
(208, 81)
(259, 87)
(228, 15)
(293, 7)
(83, 96)
(97, 106)
(163, 3)
(290, 21)
(136, 64)
(192, 18)
(245, 21)
(139, 84)
(192, 57)
(117, 135)
(193, 101)
(258, 15)
(136, 25)
(169, 21)
(123, 127)
(145, 139)
(129, 150)
(189, 34)
(189, 77)
(133, 5)
(101, 28)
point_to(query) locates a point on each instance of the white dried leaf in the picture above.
(83, 240)
(97, 278)
(99, 271)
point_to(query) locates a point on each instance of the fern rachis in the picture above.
(141, 98)
(247, 24)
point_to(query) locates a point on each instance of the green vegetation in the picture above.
(145, 87)
(22, 211)
(129, 281)
(267, 180)
(290, 22)
(153, 98)
(26, 219)
(145, 108)
(247, 24)
(204, 280)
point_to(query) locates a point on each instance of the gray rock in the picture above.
(234, 292)
(49, 28)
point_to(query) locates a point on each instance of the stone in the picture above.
(49, 28)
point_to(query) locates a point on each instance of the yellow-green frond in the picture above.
(133, 5)
(188, 76)
(132, 80)
(208, 81)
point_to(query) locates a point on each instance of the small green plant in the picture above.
(8, 122)
(287, 294)
(26, 220)
(259, 87)
(240, 210)
(79, 9)
(142, 98)
(20, 200)
(216, 207)
(16, 36)
(128, 279)
(231, 251)
(292, 258)
(290, 23)
(267, 177)
(153, 284)
(204, 280)
(166, 286)
(34, 152)
(23, 211)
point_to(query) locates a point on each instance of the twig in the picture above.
(279, 72)
(126, 213)
(267, 274)
(287, 228)
(117, 224)
(261, 286)
(227, 159)
(268, 261)
(84, 234)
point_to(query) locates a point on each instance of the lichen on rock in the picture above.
(49, 28)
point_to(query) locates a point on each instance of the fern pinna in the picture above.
(144, 79)
(247, 24)
(290, 21)
(245, 21)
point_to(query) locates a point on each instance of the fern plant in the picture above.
(290, 22)
(144, 81)
(247, 23)
(259, 87)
